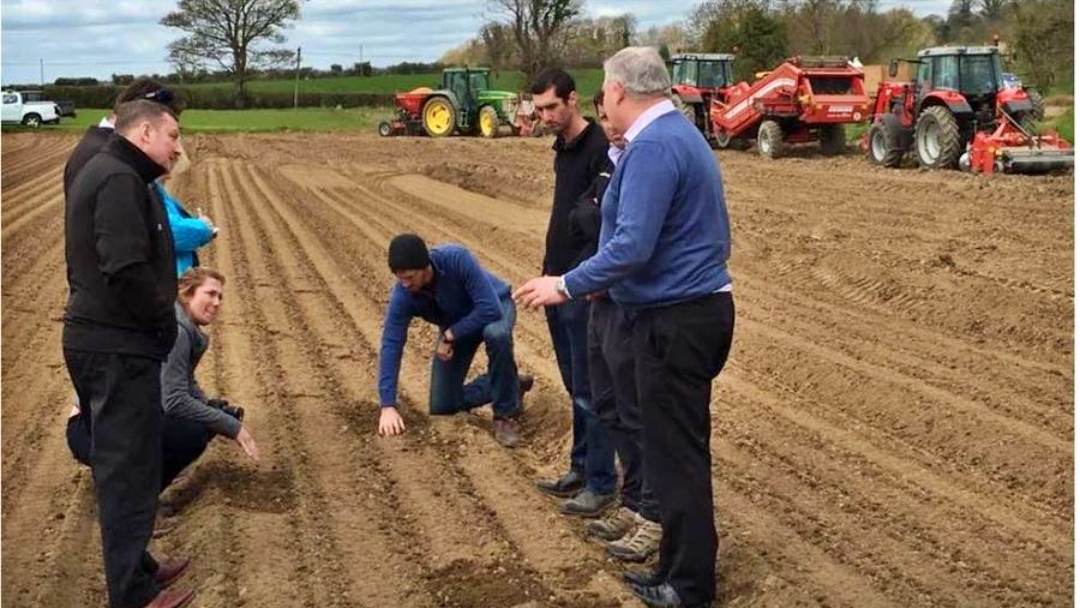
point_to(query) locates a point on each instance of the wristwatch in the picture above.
(560, 287)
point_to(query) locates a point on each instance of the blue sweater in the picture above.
(189, 233)
(463, 297)
(665, 235)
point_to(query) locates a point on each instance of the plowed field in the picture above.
(894, 427)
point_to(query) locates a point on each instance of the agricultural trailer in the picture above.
(803, 100)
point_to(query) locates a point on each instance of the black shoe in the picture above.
(588, 504)
(645, 577)
(564, 487)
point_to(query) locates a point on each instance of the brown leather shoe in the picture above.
(525, 384)
(169, 569)
(506, 432)
(173, 598)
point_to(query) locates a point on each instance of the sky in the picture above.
(97, 38)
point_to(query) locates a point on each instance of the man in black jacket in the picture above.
(96, 136)
(580, 155)
(119, 326)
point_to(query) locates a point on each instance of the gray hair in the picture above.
(640, 70)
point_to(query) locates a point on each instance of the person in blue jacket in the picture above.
(446, 286)
(189, 232)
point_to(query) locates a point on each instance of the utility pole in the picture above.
(296, 86)
(42, 72)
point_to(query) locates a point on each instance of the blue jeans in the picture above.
(499, 386)
(593, 452)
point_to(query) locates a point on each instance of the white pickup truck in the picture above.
(29, 113)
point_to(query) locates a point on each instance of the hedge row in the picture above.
(221, 98)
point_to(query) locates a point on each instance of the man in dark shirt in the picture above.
(119, 326)
(97, 135)
(448, 287)
(580, 156)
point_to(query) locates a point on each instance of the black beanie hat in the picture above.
(408, 252)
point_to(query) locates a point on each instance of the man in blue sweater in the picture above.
(664, 246)
(446, 286)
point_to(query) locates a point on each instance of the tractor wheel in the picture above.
(438, 117)
(1038, 106)
(489, 122)
(687, 110)
(770, 139)
(833, 140)
(32, 120)
(384, 129)
(725, 141)
(884, 145)
(937, 138)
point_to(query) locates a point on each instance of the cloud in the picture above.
(101, 37)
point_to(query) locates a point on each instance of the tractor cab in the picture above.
(696, 80)
(466, 84)
(972, 74)
(701, 70)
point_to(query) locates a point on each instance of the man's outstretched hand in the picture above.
(538, 292)
(390, 422)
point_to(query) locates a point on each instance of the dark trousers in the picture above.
(592, 453)
(123, 395)
(182, 443)
(678, 350)
(499, 386)
(615, 400)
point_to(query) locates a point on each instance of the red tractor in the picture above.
(697, 79)
(805, 99)
(957, 112)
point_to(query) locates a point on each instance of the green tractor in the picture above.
(466, 104)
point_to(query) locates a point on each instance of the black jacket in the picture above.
(585, 218)
(120, 266)
(91, 143)
(577, 163)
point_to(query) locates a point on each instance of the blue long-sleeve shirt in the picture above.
(189, 233)
(665, 235)
(462, 297)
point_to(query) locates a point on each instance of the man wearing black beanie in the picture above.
(446, 286)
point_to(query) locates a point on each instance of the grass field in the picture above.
(588, 82)
(236, 121)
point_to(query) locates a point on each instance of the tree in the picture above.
(496, 39)
(993, 10)
(336, 69)
(232, 34)
(746, 27)
(537, 27)
(1044, 41)
(812, 24)
(962, 13)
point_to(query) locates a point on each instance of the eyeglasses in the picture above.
(162, 96)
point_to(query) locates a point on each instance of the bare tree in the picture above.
(496, 41)
(993, 9)
(232, 34)
(537, 27)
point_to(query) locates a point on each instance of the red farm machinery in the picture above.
(697, 79)
(957, 112)
(805, 99)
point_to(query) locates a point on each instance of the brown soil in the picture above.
(894, 427)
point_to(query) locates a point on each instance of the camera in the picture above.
(233, 410)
